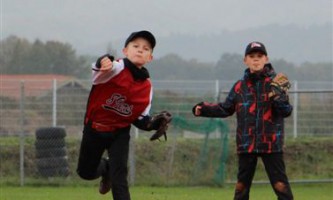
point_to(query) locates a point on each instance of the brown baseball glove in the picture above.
(280, 85)
(160, 122)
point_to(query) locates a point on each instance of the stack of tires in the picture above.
(51, 152)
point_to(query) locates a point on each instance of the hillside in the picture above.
(289, 42)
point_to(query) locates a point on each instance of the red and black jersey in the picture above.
(118, 97)
(260, 119)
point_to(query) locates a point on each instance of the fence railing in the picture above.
(27, 105)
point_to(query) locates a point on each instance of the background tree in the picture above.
(19, 56)
(13, 52)
(173, 67)
(229, 67)
(110, 50)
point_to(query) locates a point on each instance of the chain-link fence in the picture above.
(30, 109)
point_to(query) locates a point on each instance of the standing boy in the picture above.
(261, 102)
(121, 95)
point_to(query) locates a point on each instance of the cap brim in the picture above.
(142, 34)
(256, 50)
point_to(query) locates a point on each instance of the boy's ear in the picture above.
(125, 51)
(151, 58)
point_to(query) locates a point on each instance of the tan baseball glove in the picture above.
(280, 84)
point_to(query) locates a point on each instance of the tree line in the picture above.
(20, 56)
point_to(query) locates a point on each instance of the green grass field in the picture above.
(258, 192)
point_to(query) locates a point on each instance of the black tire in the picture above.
(50, 163)
(54, 172)
(50, 143)
(51, 153)
(50, 133)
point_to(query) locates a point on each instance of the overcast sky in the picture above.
(87, 21)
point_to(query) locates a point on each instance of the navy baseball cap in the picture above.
(255, 47)
(142, 34)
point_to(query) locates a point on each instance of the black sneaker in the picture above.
(105, 185)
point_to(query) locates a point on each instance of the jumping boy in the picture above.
(121, 95)
(261, 102)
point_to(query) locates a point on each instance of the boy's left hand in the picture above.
(160, 123)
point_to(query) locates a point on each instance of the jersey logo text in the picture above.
(117, 104)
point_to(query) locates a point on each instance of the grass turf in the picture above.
(258, 192)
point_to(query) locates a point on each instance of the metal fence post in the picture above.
(22, 119)
(217, 97)
(217, 90)
(295, 109)
(54, 103)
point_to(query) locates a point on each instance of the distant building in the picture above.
(32, 101)
(35, 85)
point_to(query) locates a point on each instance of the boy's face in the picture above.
(139, 52)
(255, 61)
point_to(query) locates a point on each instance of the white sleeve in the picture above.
(147, 110)
(99, 77)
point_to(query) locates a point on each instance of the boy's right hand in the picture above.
(196, 110)
(104, 62)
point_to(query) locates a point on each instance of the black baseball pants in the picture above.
(275, 169)
(91, 165)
